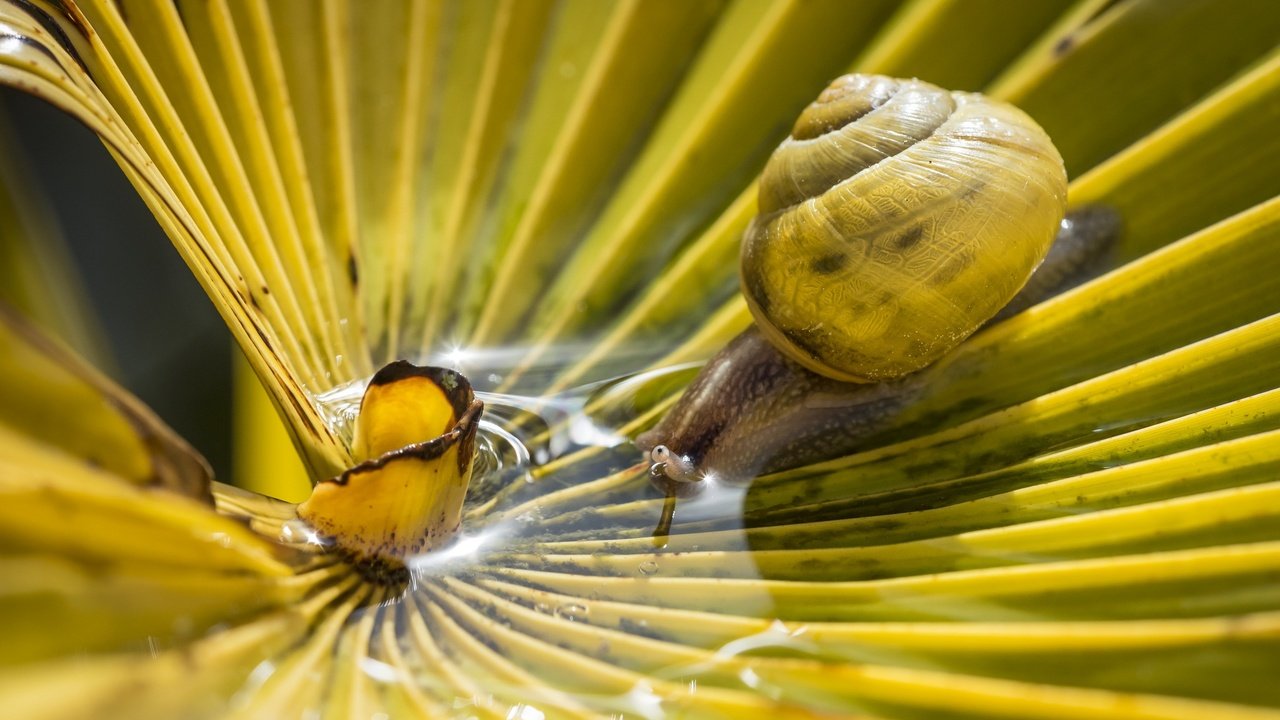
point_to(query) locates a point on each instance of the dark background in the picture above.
(169, 345)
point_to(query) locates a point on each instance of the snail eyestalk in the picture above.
(415, 443)
(672, 466)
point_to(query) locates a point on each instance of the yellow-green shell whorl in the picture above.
(894, 222)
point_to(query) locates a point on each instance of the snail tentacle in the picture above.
(675, 467)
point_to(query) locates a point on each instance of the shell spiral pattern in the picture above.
(896, 219)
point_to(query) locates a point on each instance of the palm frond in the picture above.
(1076, 519)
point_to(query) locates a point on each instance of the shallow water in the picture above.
(563, 595)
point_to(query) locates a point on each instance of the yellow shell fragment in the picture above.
(415, 437)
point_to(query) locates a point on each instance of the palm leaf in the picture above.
(1077, 518)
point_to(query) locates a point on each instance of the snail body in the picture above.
(759, 409)
(895, 221)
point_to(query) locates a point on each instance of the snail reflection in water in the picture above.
(896, 221)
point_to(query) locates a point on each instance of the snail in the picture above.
(896, 220)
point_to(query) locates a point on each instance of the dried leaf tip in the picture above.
(414, 443)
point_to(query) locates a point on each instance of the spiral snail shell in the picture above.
(895, 221)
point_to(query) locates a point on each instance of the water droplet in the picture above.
(543, 608)
(573, 612)
(648, 567)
